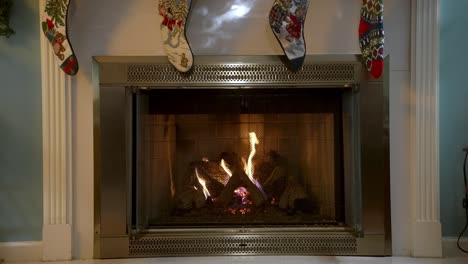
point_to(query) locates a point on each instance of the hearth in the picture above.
(240, 156)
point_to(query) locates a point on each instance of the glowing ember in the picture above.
(225, 168)
(241, 203)
(242, 193)
(273, 200)
(203, 184)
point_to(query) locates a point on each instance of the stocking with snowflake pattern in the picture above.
(173, 16)
(371, 36)
(54, 27)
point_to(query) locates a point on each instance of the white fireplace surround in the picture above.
(61, 205)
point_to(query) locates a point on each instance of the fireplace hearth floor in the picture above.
(264, 216)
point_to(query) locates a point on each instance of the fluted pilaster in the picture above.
(57, 162)
(426, 235)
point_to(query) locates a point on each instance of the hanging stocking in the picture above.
(54, 20)
(173, 16)
(371, 36)
(287, 19)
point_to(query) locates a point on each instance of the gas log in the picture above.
(276, 168)
(189, 198)
(238, 179)
(275, 181)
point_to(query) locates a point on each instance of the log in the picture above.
(212, 170)
(189, 198)
(263, 170)
(238, 179)
(292, 193)
(232, 159)
(267, 166)
(190, 194)
(214, 187)
(275, 184)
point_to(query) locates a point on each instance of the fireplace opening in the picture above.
(240, 156)
(250, 157)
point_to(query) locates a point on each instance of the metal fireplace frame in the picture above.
(367, 180)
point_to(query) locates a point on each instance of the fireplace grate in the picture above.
(344, 244)
(252, 74)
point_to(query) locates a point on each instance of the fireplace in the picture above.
(240, 157)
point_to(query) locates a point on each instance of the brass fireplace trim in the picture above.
(114, 75)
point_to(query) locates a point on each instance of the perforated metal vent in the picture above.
(244, 245)
(241, 74)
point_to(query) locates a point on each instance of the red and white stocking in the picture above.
(54, 27)
(287, 19)
(371, 36)
(173, 16)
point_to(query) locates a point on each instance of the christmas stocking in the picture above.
(54, 20)
(173, 16)
(287, 19)
(371, 36)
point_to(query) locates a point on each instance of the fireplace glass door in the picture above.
(237, 157)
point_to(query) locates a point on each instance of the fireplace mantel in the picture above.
(60, 206)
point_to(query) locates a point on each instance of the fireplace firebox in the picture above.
(240, 157)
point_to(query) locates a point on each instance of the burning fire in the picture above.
(203, 184)
(225, 168)
(243, 194)
(241, 203)
(249, 168)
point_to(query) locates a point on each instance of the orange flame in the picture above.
(225, 168)
(203, 184)
(250, 167)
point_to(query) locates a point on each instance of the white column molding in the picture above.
(57, 165)
(426, 236)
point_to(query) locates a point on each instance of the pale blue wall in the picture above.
(453, 112)
(21, 128)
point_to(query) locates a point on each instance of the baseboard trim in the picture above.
(450, 249)
(427, 239)
(21, 251)
(57, 241)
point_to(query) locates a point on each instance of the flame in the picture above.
(203, 184)
(225, 168)
(249, 168)
(244, 164)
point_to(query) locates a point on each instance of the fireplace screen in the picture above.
(249, 157)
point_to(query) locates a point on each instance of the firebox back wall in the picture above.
(173, 142)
